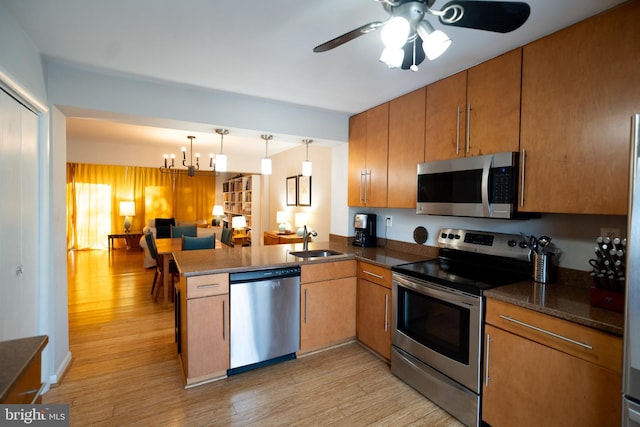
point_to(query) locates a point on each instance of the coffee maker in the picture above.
(365, 225)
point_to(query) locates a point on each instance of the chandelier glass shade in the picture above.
(307, 165)
(265, 165)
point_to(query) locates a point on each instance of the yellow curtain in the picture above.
(94, 193)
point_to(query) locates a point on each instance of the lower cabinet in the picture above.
(374, 308)
(532, 378)
(327, 304)
(204, 327)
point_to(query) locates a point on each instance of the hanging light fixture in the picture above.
(221, 158)
(434, 42)
(265, 166)
(306, 165)
(192, 170)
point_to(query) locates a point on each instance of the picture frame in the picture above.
(304, 190)
(292, 190)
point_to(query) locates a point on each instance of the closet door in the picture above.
(18, 220)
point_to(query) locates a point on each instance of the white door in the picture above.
(18, 220)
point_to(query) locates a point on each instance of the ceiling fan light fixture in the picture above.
(434, 42)
(395, 32)
(392, 57)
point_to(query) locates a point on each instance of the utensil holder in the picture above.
(544, 268)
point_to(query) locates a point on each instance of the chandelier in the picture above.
(219, 164)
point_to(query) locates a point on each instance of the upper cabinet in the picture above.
(579, 89)
(368, 146)
(406, 148)
(476, 111)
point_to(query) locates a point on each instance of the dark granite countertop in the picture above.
(15, 356)
(567, 298)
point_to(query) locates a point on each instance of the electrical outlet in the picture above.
(388, 221)
(609, 232)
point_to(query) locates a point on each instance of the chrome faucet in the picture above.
(305, 240)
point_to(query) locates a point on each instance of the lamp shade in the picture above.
(217, 210)
(221, 162)
(306, 168)
(300, 219)
(238, 222)
(282, 216)
(127, 208)
(265, 166)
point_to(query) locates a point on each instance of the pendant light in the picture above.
(306, 165)
(221, 158)
(266, 162)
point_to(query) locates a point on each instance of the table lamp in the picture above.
(127, 210)
(282, 217)
(217, 212)
(238, 223)
(300, 221)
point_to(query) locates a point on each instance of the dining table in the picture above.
(165, 248)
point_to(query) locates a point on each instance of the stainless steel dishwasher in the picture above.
(264, 317)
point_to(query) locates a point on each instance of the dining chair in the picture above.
(157, 276)
(226, 236)
(183, 230)
(193, 243)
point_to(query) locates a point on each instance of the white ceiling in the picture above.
(261, 48)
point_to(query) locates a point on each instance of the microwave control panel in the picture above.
(502, 184)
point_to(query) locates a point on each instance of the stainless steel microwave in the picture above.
(481, 186)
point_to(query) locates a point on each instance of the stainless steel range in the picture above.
(438, 315)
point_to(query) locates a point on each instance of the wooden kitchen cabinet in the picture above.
(476, 111)
(532, 379)
(406, 148)
(368, 147)
(327, 304)
(204, 327)
(579, 89)
(374, 308)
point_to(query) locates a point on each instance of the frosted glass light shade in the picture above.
(265, 166)
(392, 57)
(306, 168)
(395, 32)
(434, 42)
(221, 162)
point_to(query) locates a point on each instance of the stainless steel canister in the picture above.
(544, 267)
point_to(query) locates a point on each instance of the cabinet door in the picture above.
(493, 95)
(374, 317)
(357, 158)
(377, 151)
(208, 337)
(529, 384)
(406, 148)
(445, 118)
(328, 313)
(579, 89)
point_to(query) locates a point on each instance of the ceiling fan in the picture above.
(409, 38)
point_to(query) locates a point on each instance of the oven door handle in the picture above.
(439, 292)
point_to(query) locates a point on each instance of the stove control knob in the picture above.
(450, 235)
(523, 244)
(512, 243)
(457, 237)
(443, 235)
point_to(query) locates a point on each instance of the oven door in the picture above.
(440, 326)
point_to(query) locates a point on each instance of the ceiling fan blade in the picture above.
(340, 40)
(496, 16)
(407, 62)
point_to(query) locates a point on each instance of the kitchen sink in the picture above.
(316, 253)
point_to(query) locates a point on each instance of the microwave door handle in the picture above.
(486, 168)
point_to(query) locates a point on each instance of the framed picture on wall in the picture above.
(292, 190)
(304, 190)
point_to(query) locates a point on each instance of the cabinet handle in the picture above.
(386, 313)
(468, 136)
(367, 177)
(306, 298)
(544, 331)
(208, 286)
(373, 274)
(486, 363)
(458, 132)
(224, 321)
(522, 176)
(361, 175)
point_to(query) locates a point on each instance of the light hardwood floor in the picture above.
(125, 370)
